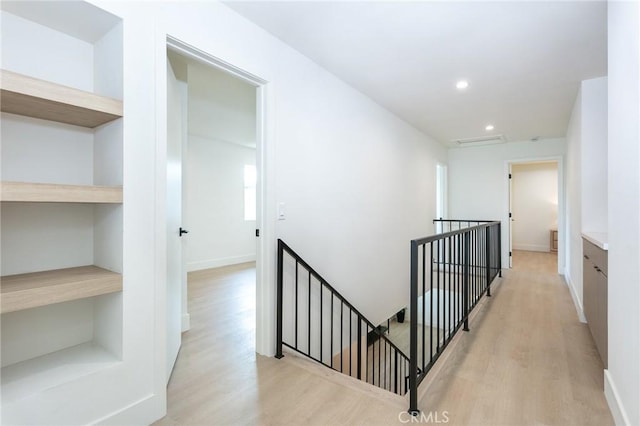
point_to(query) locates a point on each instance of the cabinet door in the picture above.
(602, 333)
(588, 292)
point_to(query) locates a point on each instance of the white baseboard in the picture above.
(216, 263)
(143, 412)
(186, 322)
(531, 247)
(613, 400)
(574, 296)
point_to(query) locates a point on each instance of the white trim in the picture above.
(559, 159)
(266, 220)
(531, 247)
(574, 296)
(216, 263)
(266, 214)
(618, 412)
(135, 413)
(186, 322)
(205, 58)
(160, 225)
(444, 188)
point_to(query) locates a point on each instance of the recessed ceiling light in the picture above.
(489, 127)
(462, 84)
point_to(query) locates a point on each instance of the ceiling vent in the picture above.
(482, 140)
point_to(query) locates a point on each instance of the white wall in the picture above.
(76, 337)
(594, 155)
(221, 141)
(221, 106)
(622, 379)
(358, 185)
(573, 235)
(534, 205)
(478, 181)
(76, 70)
(586, 177)
(357, 181)
(36, 238)
(218, 233)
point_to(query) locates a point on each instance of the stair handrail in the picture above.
(452, 256)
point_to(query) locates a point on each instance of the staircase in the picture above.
(450, 273)
(315, 320)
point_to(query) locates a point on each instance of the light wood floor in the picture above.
(526, 361)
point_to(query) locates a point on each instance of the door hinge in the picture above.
(509, 254)
(509, 214)
(257, 232)
(509, 175)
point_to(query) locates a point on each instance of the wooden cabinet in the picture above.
(594, 278)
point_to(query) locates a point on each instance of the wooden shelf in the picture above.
(25, 291)
(55, 193)
(49, 101)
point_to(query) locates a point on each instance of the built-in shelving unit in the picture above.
(56, 193)
(36, 98)
(62, 202)
(25, 291)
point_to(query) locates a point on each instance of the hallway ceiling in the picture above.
(523, 60)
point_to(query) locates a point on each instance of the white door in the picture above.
(175, 262)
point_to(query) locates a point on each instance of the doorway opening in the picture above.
(214, 187)
(534, 212)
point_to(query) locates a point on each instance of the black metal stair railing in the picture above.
(317, 321)
(450, 272)
(447, 225)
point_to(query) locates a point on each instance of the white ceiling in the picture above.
(523, 60)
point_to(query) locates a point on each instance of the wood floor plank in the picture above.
(526, 361)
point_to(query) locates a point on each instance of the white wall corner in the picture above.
(574, 296)
(186, 322)
(618, 412)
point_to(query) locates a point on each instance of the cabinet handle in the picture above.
(586, 257)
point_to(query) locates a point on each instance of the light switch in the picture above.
(281, 215)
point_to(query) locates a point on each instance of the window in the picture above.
(249, 192)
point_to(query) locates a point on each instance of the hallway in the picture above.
(526, 361)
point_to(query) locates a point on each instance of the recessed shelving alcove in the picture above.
(61, 195)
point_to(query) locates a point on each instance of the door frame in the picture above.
(442, 188)
(559, 160)
(265, 202)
